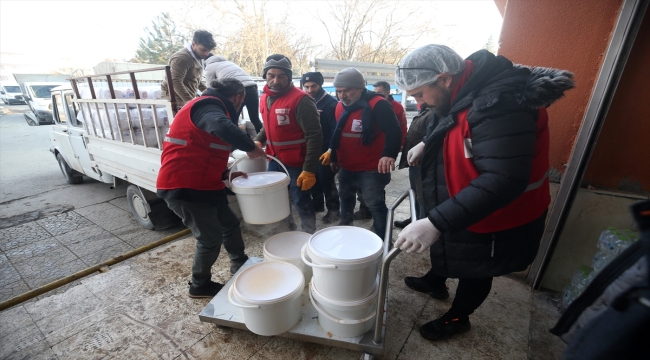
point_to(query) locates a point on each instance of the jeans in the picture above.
(372, 186)
(325, 186)
(252, 103)
(301, 199)
(414, 173)
(470, 294)
(211, 225)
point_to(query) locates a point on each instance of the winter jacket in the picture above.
(326, 105)
(415, 134)
(400, 113)
(217, 67)
(503, 102)
(186, 74)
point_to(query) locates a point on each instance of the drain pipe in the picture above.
(83, 273)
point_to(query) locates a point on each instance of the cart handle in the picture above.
(302, 256)
(240, 160)
(230, 300)
(323, 313)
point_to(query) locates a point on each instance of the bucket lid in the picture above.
(268, 282)
(259, 180)
(346, 244)
(286, 245)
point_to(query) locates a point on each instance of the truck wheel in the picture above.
(71, 176)
(138, 205)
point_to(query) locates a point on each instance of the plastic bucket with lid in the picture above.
(263, 197)
(286, 247)
(337, 325)
(270, 295)
(249, 165)
(344, 260)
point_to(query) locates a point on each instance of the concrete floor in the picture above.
(140, 309)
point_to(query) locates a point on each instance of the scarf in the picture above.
(366, 122)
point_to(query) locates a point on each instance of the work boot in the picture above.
(319, 207)
(444, 328)
(421, 284)
(362, 214)
(208, 290)
(235, 265)
(331, 217)
(402, 224)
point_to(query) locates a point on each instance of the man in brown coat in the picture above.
(187, 68)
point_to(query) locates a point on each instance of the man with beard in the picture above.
(312, 83)
(193, 166)
(187, 67)
(293, 135)
(364, 147)
(485, 167)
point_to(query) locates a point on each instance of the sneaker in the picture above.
(235, 265)
(331, 217)
(444, 328)
(402, 224)
(422, 285)
(362, 215)
(204, 291)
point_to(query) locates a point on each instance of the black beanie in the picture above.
(277, 61)
(315, 77)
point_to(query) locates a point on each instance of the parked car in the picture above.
(411, 104)
(11, 94)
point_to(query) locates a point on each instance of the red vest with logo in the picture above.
(284, 137)
(191, 157)
(460, 171)
(352, 154)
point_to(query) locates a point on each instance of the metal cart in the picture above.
(219, 311)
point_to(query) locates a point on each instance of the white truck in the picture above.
(36, 94)
(112, 131)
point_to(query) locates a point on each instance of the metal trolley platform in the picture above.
(221, 312)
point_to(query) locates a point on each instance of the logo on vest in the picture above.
(356, 126)
(283, 116)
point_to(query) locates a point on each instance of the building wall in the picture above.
(571, 35)
(621, 159)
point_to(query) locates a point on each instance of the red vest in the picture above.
(460, 171)
(352, 154)
(191, 157)
(401, 118)
(284, 137)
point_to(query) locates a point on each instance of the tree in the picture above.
(490, 45)
(162, 40)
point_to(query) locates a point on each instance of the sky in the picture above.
(84, 33)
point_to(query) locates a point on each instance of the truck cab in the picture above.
(37, 96)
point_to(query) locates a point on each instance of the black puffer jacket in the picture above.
(503, 100)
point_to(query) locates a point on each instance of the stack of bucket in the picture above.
(344, 286)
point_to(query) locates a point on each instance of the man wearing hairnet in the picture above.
(484, 172)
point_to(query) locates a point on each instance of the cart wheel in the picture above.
(366, 356)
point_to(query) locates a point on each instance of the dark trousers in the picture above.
(211, 225)
(372, 185)
(325, 188)
(414, 173)
(470, 294)
(252, 103)
(301, 199)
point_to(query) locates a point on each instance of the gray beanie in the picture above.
(277, 61)
(350, 77)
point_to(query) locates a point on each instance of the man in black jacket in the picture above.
(312, 83)
(485, 172)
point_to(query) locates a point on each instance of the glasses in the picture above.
(416, 68)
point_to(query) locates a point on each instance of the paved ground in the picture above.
(140, 309)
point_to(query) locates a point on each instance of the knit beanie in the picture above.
(277, 61)
(350, 77)
(315, 77)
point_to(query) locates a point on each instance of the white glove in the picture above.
(414, 155)
(417, 236)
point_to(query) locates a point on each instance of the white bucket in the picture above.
(248, 165)
(347, 310)
(344, 261)
(286, 247)
(263, 197)
(270, 295)
(339, 326)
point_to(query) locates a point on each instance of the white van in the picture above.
(11, 94)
